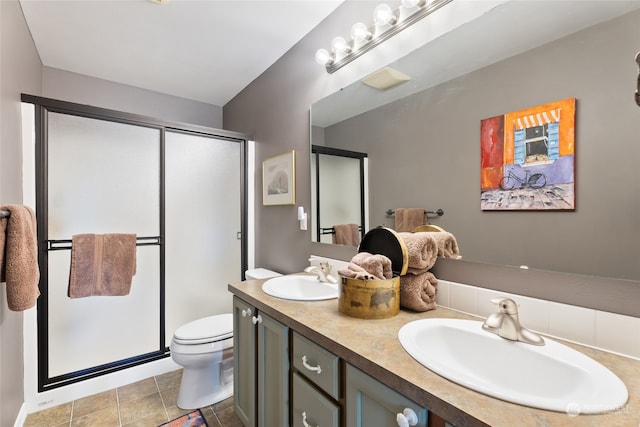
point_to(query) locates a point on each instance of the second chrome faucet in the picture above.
(505, 323)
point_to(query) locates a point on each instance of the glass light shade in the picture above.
(383, 15)
(339, 45)
(411, 3)
(360, 32)
(323, 57)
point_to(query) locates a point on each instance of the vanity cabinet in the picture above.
(370, 403)
(261, 367)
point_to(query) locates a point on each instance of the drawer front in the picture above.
(310, 408)
(317, 364)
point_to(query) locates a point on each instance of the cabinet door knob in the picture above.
(317, 369)
(304, 420)
(246, 312)
(256, 319)
(407, 418)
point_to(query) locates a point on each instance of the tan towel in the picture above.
(422, 249)
(447, 244)
(406, 219)
(378, 265)
(346, 234)
(18, 240)
(102, 264)
(354, 271)
(418, 291)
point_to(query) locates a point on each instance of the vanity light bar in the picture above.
(344, 52)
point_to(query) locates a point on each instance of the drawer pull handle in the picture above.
(304, 420)
(316, 369)
(407, 418)
(246, 312)
(255, 320)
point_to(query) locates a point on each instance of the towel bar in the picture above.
(5, 214)
(59, 245)
(439, 212)
(331, 230)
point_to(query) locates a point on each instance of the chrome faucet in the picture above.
(323, 271)
(505, 323)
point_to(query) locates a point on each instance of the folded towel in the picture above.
(447, 244)
(422, 249)
(346, 234)
(18, 240)
(377, 265)
(406, 219)
(418, 291)
(354, 271)
(102, 264)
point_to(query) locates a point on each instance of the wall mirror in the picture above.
(422, 137)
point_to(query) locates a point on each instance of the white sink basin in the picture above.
(552, 377)
(300, 287)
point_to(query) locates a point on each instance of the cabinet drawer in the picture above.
(310, 408)
(316, 364)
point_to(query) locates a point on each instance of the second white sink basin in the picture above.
(300, 287)
(554, 376)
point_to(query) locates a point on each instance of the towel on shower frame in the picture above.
(102, 264)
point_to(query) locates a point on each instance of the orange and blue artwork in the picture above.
(528, 159)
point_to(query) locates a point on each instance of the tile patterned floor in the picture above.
(146, 403)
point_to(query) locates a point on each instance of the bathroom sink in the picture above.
(554, 376)
(300, 287)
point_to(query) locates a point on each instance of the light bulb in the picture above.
(339, 45)
(383, 15)
(360, 32)
(323, 57)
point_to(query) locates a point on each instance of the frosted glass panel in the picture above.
(203, 217)
(88, 332)
(103, 177)
(343, 206)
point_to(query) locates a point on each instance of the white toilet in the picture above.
(204, 348)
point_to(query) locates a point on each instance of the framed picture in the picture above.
(278, 180)
(528, 159)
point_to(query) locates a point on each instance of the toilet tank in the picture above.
(260, 273)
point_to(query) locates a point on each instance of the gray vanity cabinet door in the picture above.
(244, 363)
(369, 403)
(273, 373)
(310, 408)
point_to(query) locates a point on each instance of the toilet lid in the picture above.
(212, 328)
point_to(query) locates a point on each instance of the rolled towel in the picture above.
(418, 291)
(378, 265)
(422, 249)
(447, 244)
(406, 219)
(18, 241)
(354, 271)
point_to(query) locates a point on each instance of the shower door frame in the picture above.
(43, 106)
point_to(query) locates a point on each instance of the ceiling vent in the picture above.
(385, 78)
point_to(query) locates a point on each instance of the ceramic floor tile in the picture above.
(152, 420)
(137, 409)
(170, 396)
(104, 418)
(228, 418)
(137, 390)
(94, 403)
(175, 412)
(49, 417)
(169, 380)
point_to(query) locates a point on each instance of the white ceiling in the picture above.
(204, 50)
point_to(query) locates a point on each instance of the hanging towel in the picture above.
(18, 241)
(102, 264)
(422, 249)
(408, 218)
(346, 234)
(418, 291)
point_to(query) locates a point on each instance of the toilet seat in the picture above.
(207, 330)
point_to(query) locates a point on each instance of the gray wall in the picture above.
(20, 71)
(275, 107)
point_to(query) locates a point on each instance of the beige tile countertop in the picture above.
(373, 347)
